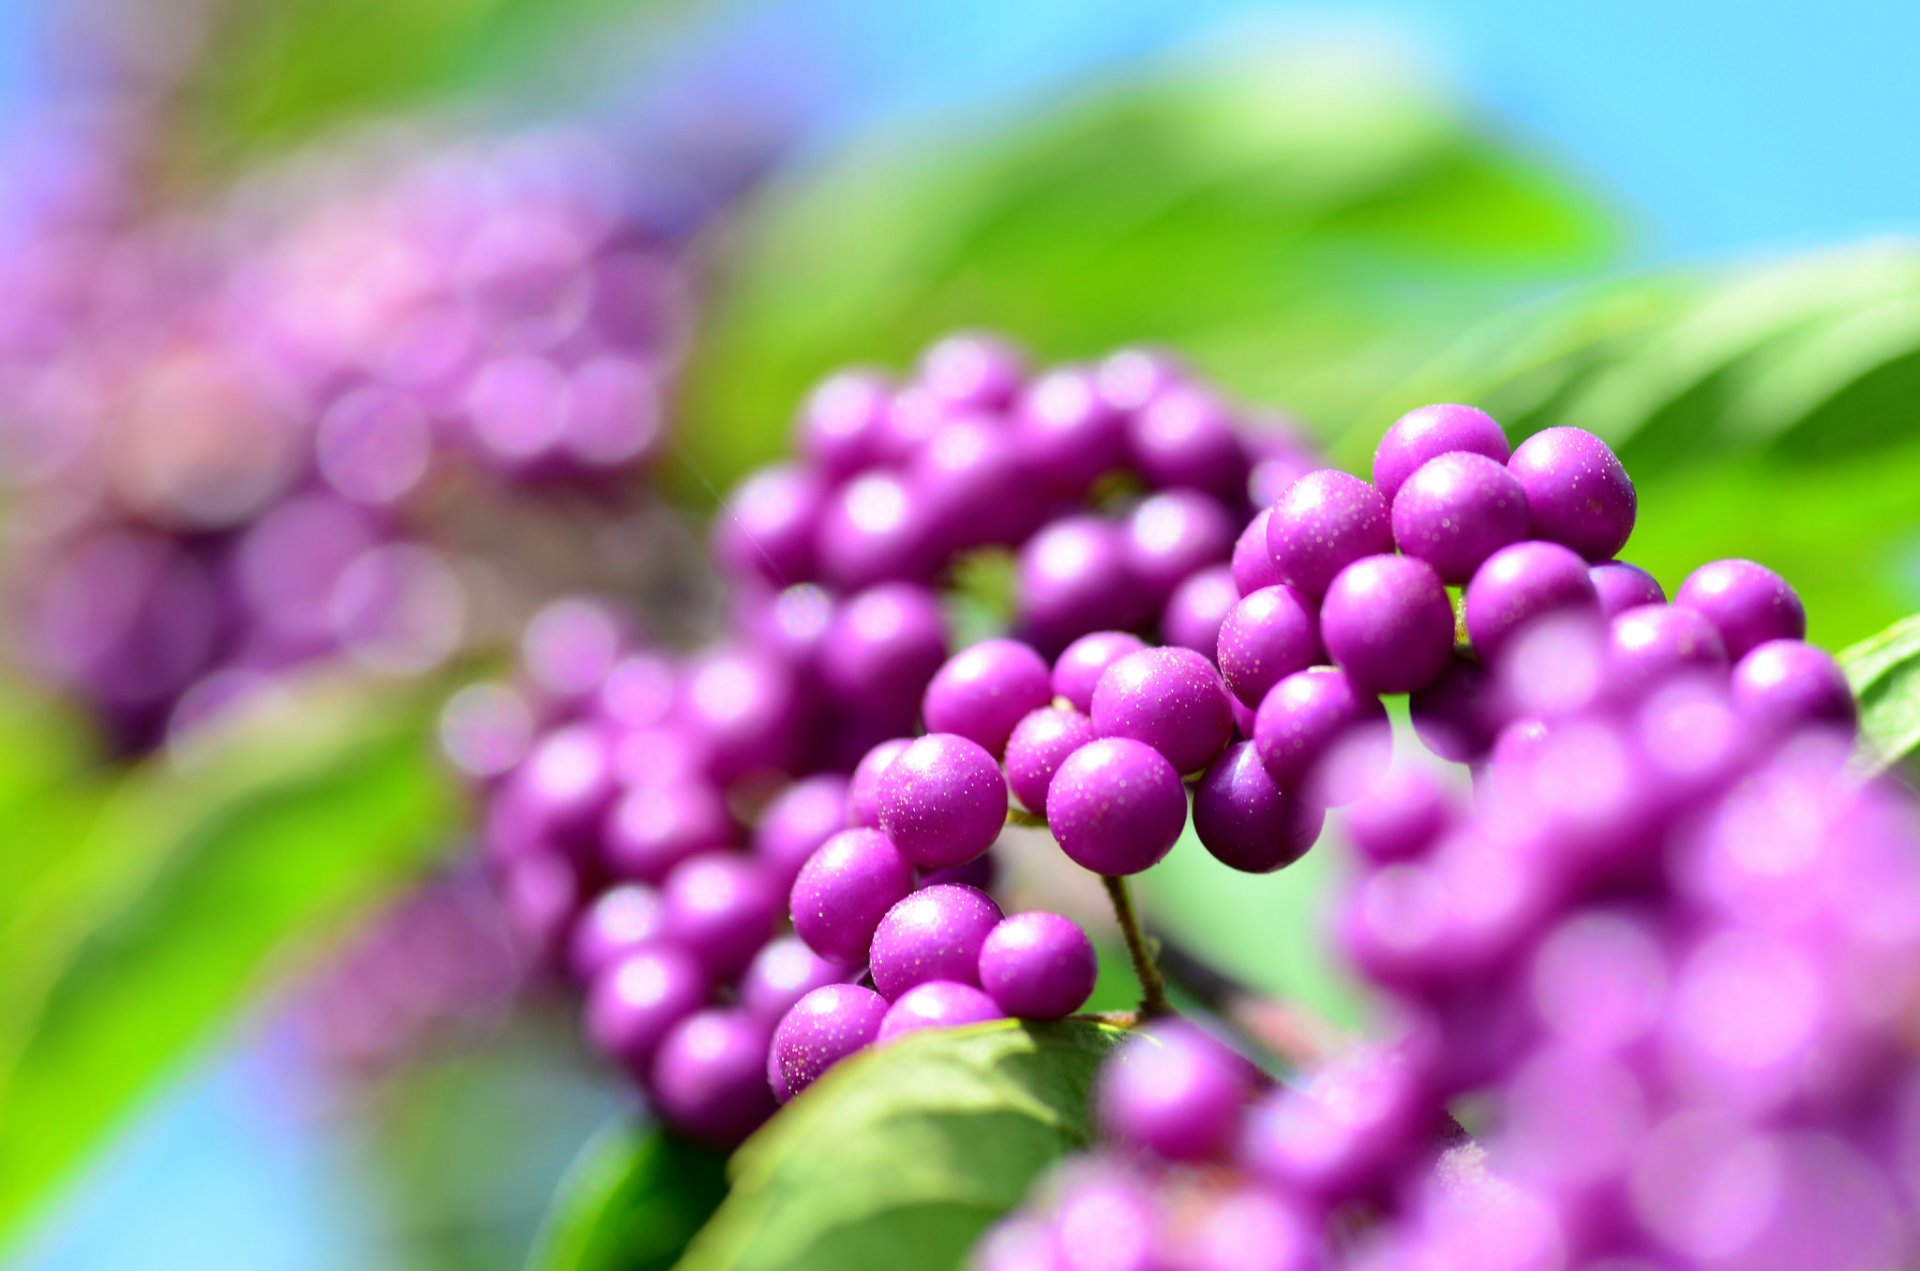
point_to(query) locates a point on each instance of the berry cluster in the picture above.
(651, 817)
(1665, 952)
(240, 433)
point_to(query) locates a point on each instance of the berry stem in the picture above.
(1153, 987)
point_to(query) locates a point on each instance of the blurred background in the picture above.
(288, 289)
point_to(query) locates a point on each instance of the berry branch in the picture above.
(1153, 986)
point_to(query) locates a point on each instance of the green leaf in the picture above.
(1305, 223)
(903, 1156)
(1885, 673)
(631, 1202)
(182, 894)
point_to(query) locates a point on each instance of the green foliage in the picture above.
(630, 1203)
(150, 913)
(1885, 673)
(903, 1156)
(1304, 224)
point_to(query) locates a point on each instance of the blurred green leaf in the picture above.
(631, 1202)
(904, 1155)
(1304, 223)
(1885, 673)
(179, 896)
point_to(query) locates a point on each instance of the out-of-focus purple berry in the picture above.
(933, 934)
(1131, 378)
(653, 829)
(740, 706)
(765, 530)
(1387, 622)
(871, 531)
(1303, 722)
(1079, 667)
(619, 920)
(1578, 495)
(797, 821)
(709, 1078)
(1324, 522)
(1185, 438)
(637, 691)
(1269, 635)
(985, 690)
(1747, 603)
(1457, 715)
(1422, 435)
(1072, 578)
(1520, 584)
(981, 872)
(1171, 699)
(1252, 561)
(1782, 685)
(1621, 587)
(567, 784)
(1403, 816)
(782, 973)
(1654, 642)
(1197, 608)
(485, 730)
(541, 897)
(1038, 965)
(1116, 806)
(722, 908)
(823, 1028)
(1171, 536)
(633, 1004)
(883, 647)
(841, 422)
(976, 486)
(1072, 434)
(570, 646)
(1342, 1136)
(943, 801)
(937, 1004)
(1174, 1091)
(1248, 822)
(846, 889)
(1039, 745)
(1457, 510)
(974, 371)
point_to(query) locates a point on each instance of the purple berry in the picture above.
(1080, 666)
(794, 825)
(1654, 642)
(570, 646)
(1038, 747)
(1269, 635)
(1787, 684)
(1310, 718)
(1116, 806)
(1621, 587)
(1520, 583)
(1457, 716)
(566, 785)
(871, 531)
(1403, 816)
(841, 423)
(1248, 822)
(739, 706)
(632, 1004)
(655, 828)
(1072, 578)
(1747, 603)
(1185, 438)
(1422, 435)
(1073, 435)
(1387, 622)
(979, 872)
(934, 934)
(943, 801)
(937, 1004)
(973, 371)
(709, 1079)
(782, 973)
(1171, 536)
(1038, 965)
(1457, 510)
(1171, 699)
(976, 486)
(620, 920)
(844, 891)
(721, 908)
(1174, 1091)
(766, 529)
(1131, 378)
(1197, 608)
(863, 788)
(823, 1028)
(1578, 495)
(986, 689)
(1252, 562)
(1324, 522)
(884, 645)
(541, 897)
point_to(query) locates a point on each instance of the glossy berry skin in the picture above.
(653, 829)
(1269, 635)
(1172, 535)
(1248, 822)
(1422, 435)
(1116, 806)
(782, 973)
(984, 690)
(943, 801)
(1072, 434)
(1521, 583)
(1655, 642)
(1185, 438)
(1197, 608)
(1578, 495)
(1038, 965)
(620, 920)
(1171, 699)
(633, 1004)
(721, 907)
(1387, 622)
(1301, 722)
(1457, 510)
(1786, 684)
(863, 788)
(709, 1079)
(937, 1004)
(823, 1028)
(1621, 587)
(934, 934)
(1072, 578)
(1252, 563)
(1038, 747)
(1324, 522)
(1173, 1091)
(795, 824)
(1080, 665)
(766, 529)
(1747, 603)
(845, 889)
